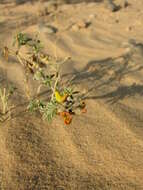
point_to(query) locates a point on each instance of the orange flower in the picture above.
(84, 110)
(83, 107)
(67, 117)
(67, 120)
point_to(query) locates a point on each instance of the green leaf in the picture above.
(50, 111)
(12, 89)
(68, 90)
(48, 80)
(21, 39)
(39, 75)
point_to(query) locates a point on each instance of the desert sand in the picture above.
(102, 149)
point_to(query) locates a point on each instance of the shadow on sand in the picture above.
(18, 2)
(105, 77)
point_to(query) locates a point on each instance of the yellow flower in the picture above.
(60, 98)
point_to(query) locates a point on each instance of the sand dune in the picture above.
(102, 149)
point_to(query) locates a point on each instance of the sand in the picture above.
(102, 149)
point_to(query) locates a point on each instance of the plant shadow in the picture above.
(122, 92)
(105, 78)
(61, 1)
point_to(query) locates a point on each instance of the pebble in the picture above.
(125, 4)
(92, 16)
(49, 29)
(80, 25)
(51, 6)
(47, 8)
(117, 20)
(75, 27)
(129, 28)
(112, 6)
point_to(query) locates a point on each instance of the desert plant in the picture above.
(46, 70)
(4, 98)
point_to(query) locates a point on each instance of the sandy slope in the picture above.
(102, 149)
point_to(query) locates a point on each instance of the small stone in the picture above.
(46, 8)
(92, 16)
(117, 20)
(49, 29)
(126, 4)
(51, 6)
(129, 28)
(112, 6)
(81, 25)
(75, 27)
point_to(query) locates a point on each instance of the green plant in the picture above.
(46, 70)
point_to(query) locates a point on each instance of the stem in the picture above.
(55, 85)
(4, 98)
(58, 77)
(4, 101)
